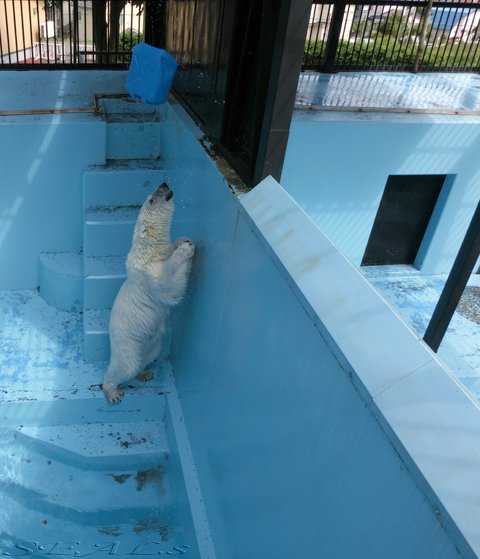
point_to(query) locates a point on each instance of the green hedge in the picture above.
(387, 52)
(465, 55)
(127, 40)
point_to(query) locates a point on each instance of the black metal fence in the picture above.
(398, 35)
(69, 33)
(393, 36)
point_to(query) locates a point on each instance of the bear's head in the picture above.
(155, 217)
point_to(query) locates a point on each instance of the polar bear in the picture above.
(157, 275)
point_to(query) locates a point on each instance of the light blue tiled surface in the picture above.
(414, 296)
(57, 90)
(430, 91)
(337, 166)
(287, 368)
(440, 429)
(341, 297)
(418, 401)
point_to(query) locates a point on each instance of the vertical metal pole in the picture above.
(31, 40)
(15, 31)
(455, 285)
(155, 23)
(75, 32)
(282, 87)
(9, 50)
(333, 38)
(423, 34)
(22, 21)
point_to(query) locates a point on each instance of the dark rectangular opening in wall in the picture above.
(402, 218)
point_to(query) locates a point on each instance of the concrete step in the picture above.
(115, 109)
(134, 129)
(133, 140)
(112, 196)
(108, 231)
(101, 446)
(122, 183)
(96, 341)
(116, 485)
(104, 276)
(61, 280)
(111, 479)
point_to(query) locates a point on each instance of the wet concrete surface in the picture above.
(414, 297)
(390, 90)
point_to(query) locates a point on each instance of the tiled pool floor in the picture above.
(414, 296)
(41, 353)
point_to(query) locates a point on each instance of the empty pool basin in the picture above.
(79, 477)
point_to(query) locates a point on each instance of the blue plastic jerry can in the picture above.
(150, 74)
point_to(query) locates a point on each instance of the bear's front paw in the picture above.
(186, 249)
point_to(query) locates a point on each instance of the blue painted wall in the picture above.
(337, 166)
(293, 457)
(313, 434)
(41, 164)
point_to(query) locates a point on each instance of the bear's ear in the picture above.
(143, 231)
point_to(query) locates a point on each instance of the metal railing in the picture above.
(69, 33)
(398, 35)
(394, 35)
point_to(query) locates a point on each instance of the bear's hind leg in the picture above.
(151, 353)
(112, 393)
(114, 376)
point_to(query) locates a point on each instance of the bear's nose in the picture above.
(164, 191)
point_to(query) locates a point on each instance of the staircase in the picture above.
(112, 196)
(83, 477)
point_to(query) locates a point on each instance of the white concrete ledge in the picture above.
(431, 420)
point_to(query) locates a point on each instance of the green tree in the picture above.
(128, 39)
(363, 28)
(106, 27)
(395, 25)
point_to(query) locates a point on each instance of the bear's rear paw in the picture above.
(113, 395)
(145, 376)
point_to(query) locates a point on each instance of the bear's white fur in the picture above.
(157, 275)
